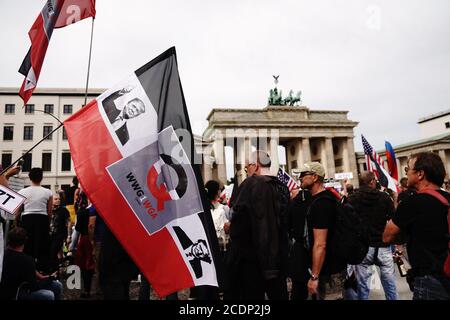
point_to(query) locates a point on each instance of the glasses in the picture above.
(306, 173)
(408, 168)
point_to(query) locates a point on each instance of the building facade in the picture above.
(435, 133)
(22, 127)
(307, 135)
(435, 125)
(439, 144)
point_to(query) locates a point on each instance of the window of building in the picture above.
(47, 130)
(294, 164)
(10, 108)
(447, 125)
(29, 108)
(48, 108)
(67, 109)
(46, 161)
(64, 135)
(8, 132)
(27, 159)
(6, 160)
(28, 133)
(65, 164)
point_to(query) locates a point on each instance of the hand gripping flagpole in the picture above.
(89, 62)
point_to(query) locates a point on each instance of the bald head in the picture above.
(261, 158)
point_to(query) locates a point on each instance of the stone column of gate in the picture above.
(243, 154)
(262, 140)
(207, 171)
(275, 162)
(399, 171)
(444, 160)
(352, 161)
(306, 151)
(219, 153)
(327, 157)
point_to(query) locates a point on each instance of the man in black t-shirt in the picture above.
(326, 281)
(423, 219)
(19, 270)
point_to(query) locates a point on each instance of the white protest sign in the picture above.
(10, 201)
(343, 176)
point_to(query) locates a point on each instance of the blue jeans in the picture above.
(429, 288)
(383, 260)
(52, 291)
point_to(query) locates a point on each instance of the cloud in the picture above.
(386, 62)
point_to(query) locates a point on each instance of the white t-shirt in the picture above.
(219, 219)
(37, 199)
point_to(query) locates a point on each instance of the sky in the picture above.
(386, 62)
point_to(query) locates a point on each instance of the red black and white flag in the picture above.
(134, 155)
(55, 14)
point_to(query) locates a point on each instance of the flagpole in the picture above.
(89, 61)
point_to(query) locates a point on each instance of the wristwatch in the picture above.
(313, 277)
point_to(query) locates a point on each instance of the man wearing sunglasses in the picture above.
(423, 219)
(257, 258)
(326, 281)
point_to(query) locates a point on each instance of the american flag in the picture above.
(375, 164)
(371, 155)
(287, 180)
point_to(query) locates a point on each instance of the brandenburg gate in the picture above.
(307, 135)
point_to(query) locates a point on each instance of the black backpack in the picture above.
(351, 237)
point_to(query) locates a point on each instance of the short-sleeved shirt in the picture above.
(322, 215)
(37, 200)
(17, 269)
(99, 228)
(424, 221)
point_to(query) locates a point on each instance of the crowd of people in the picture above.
(325, 243)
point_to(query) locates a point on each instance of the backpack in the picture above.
(444, 201)
(350, 239)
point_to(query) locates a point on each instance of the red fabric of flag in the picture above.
(86, 129)
(55, 14)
